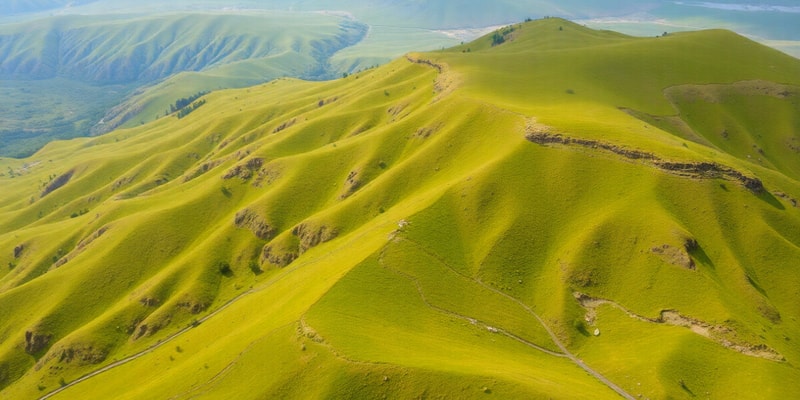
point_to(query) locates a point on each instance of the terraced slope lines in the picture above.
(556, 214)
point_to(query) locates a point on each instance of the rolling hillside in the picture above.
(547, 212)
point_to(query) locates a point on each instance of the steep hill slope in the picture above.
(541, 217)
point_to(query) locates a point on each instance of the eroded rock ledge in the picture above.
(701, 170)
(722, 334)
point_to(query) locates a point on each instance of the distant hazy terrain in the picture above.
(77, 68)
(65, 73)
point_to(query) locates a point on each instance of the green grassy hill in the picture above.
(546, 212)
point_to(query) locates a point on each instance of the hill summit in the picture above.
(549, 211)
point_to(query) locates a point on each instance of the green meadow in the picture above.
(549, 211)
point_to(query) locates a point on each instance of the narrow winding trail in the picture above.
(564, 351)
(148, 350)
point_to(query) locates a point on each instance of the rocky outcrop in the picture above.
(722, 334)
(548, 138)
(245, 171)
(57, 183)
(711, 171)
(18, 251)
(202, 169)
(700, 170)
(351, 184)
(286, 125)
(35, 341)
(311, 236)
(270, 254)
(82, 354)
(307, 237)
(251, 220)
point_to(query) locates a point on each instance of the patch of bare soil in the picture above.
(675, 256)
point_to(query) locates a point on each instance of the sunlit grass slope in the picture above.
(543, 218)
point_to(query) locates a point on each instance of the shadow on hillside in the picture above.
(700, 255)
(771, 200)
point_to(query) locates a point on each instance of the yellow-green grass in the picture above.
(419, 218)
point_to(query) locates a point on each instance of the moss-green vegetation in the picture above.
(452, 224)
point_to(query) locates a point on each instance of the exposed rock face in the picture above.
(245, 171)
(546, 138)
(711, 170)
(722, 334)
(702, 170)
(351, 184)
(311, 236)
(57, 183)
(82, 354)
(251, 220)
(308, 236)
(35, 342)
(202, 169)
(91, 238)
(18, 251)
(276, 257)
(286, 125)
(193, 306)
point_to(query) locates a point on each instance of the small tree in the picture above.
(498, 39)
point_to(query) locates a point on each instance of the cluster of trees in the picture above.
(187, 110)
(499, 37)
(183, 102)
